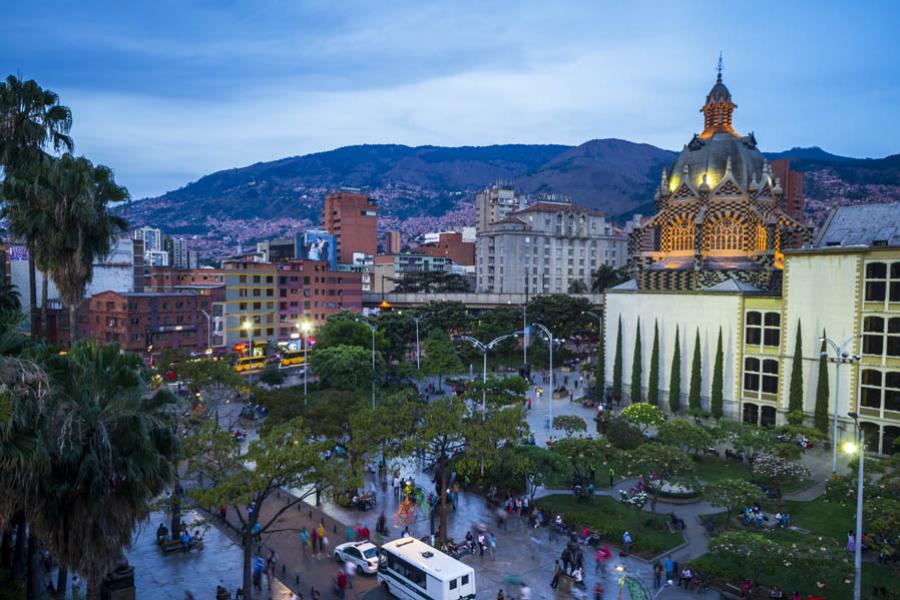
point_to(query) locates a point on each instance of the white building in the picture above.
(152, 238)
(494, 204)
(180, 255)
(546, 248)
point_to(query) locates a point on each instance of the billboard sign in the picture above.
(315, 244)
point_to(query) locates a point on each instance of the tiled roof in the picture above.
(863, 225)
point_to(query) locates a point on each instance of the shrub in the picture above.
(622, 434)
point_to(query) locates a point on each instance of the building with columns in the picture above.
(723, 256)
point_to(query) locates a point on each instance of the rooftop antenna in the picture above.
(719, 68)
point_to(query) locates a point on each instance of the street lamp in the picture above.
(372, 328)
(853, 448)
(550, 342)
(484, 348)
(841, 357)
(304, 327)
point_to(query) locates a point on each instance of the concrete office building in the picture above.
(494, 204)
(351, 217)
(545, 248)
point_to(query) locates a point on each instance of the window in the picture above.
(452, 584)
(680, 236)
(242, 279)
(727, 234)
(762, 328)
(876, 281)
(877, 341)
(880, 390)
(760, 376)
(256, 279)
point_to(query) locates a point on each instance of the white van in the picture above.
(414, 570)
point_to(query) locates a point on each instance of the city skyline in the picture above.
(165, 94)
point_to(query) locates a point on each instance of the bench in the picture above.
(730, 592)
(170, 546)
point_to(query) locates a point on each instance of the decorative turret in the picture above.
(664, 182)
(718, 109)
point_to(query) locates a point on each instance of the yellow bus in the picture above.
(293, 358)
(250, 363)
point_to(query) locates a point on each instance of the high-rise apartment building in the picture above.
(151, 236)
(546, 248)
(494, 204)
(178, 252)
(792, 186)
(393, 242)
(352, 218)
(250, 297)
(309, 291)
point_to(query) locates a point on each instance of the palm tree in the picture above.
(31, 120)
(605, 277)
(76, 195)
(111, 452)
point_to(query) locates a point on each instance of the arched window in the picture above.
(727, 234)
(761, 238)
(680, 236)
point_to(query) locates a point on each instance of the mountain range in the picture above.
(430, 187)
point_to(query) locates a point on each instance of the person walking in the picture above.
(350, 570)
(340, 581)
(554, 583)
(669, 567)
(657, 574)
(612, 476)
(626, 542)
(314, 541)
(321, 536)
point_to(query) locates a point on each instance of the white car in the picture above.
(363, 554)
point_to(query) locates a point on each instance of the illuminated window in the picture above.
(727, 234)
(681, 235)
(761, 238)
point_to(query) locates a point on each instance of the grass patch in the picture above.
(819, 517)
(611, 519)
(601, 478)
(710, 469)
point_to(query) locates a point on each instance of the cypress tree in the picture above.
(694, 389)
(675, 377)
(716, 396)
(821, 414)
(636, 367)
(600, 376)
(617, 364)
(653, 381)
(795, 400)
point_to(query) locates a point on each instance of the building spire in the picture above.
(719, 68)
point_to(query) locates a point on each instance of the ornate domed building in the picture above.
(720, 217)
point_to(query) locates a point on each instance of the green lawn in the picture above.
(821, 518)
(611, 519)
(710, 469)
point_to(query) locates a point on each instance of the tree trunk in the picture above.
(45, 327)
(33, 579)
(18, 566)
(176, 510)
(248, 574)
(73, 324)
(32, 294)
(6, 547)
(62, 580)
(442, 527)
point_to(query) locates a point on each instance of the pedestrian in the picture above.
(314, 541)
(626, 542)
(554, 583)
(669, 566)
(525, 591)
(350, 570)
(598, 591)
(320, 531)
(76, 586)
(340, 581)
(349, 533)
(492, 544)
(612, 475)
(481, 543)
(500, 595)
(657, 573)
(304, 540)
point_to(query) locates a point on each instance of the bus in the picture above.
(250, 363)
(292, 358)
(411, 569)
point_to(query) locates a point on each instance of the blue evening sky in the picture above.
(165, 91)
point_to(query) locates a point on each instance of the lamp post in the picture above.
(372, 328)
(484, 348)
(550, 342)
(853, 448)
(841, 357)
(304, 327)
(208, 331)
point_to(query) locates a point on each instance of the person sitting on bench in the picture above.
(162, 532)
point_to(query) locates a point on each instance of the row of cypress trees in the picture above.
(717, 392)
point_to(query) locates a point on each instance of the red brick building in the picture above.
(166, 279)
(139, 320)
(308, 291)
(792, 184)
(352, 219)
(451, 245)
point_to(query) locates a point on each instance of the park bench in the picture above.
(170, 546)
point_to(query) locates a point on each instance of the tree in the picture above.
(569, 424)
(716, 399)
(653, 379)
(622, 433)
(584, 455)
(822, 393)
(683, 434)
(396, 330)
(577, 286)
(732, 495)
(79, 196)
(659, 464)
(207, 374)
(31, 121)
(537, 465)
(112, 451)
(795, 401)
(343, 367)
(272, 375)
(636, 368)
(440, 355)
(643, 415)
(287, 457)
(564, 315)
(344, 330)
(430, 282)
(617, 364)
(675, 378)
(600, 375)
(696, 370)
(445, 316)
(605, 277)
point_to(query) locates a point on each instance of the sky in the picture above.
(165, 91)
